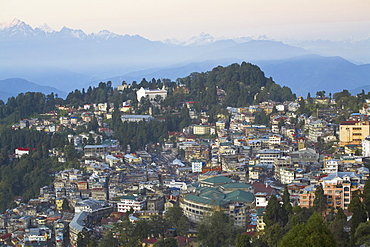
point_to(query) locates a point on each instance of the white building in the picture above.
(331, 166)
(128, 202)
(196, 166)
(261, 199)
(366, 147)
(268, 156)
(152, 94)
(287, 175)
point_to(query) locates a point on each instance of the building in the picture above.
(366, 147)
(152, 94)
(331, 166)
(128, 202)
(95, 150)
(203, 130)
(79, 222)
(287, 175)
(235, 204)
(338, 188)
(305, 155)
(268, 156)
(22, 151)
(136, 118)
(353, 132)
(197, 166)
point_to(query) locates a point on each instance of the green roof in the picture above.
(236, 185)
(202, 200)
(260, 211)
(218, 180)
(213, 195)
(129, 197)
(240, 196)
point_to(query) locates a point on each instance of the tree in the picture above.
(320, 202)
(287, 208)
(337, 229)
(362, 234)
(108, 240)
(166, 242)
(158, 225)
(366, 196)
(185, 117)
(83, 238)
(313, 233)
(65, 205)
(359, 215)
(261, 118)
(320, 94)
(242, 240)
(273, 234)
(178, 220)
(273, 212)
(216, 230)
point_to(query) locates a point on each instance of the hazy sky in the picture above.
(182, 19)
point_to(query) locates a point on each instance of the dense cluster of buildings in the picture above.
(233, 165)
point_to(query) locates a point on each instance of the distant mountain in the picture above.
(173, 72)
(105, 54)
(303, 74)
(69, 58)
(356, 51)
(15, 86)
(314, 73)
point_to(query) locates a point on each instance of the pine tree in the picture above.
(273, 212)
(359, 215)
(320, 202)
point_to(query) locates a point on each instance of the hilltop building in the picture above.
(152, 94)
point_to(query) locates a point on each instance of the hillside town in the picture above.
(234, 165)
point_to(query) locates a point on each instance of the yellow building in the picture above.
(59, 203)
(353, 132)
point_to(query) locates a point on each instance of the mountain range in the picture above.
(11, 87)
(68, 59)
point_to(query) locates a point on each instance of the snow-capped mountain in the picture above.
(201, 39)
(104, 35)
(72, 33)
(45, 28)
(70, 57)
(19, 29)
(16, 28)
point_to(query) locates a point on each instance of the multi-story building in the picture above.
(353, 132)
(235, 204)
(331, 166)
(197, 165)
(268, 156)
(338, 188)
(366, 147)
(152, 94)
(287, 175)
(128, 202)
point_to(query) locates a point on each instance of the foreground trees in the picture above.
(217, 230)
(313, 233)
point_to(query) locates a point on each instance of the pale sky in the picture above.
(180, 19)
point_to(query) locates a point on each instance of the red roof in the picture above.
(183, 241)
(6, 236)
(149, 240)
(349, 122)
(261, 187)
(25, 149)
